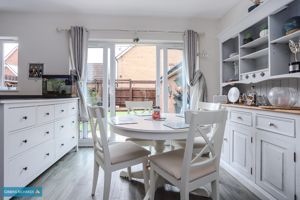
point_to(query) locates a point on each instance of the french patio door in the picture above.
(100, 83)
(98, 88)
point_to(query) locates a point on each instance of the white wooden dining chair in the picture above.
(199, 142)
(134, 106)
(115, 156)
(146, 108)
(185, 170)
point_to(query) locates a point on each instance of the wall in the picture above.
(234, 15)
(40, 42)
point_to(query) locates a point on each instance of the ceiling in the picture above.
(153, 8)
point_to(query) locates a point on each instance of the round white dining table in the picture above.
(143, 127)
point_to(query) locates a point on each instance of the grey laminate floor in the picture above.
(71, 179)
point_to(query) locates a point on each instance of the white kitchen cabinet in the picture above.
(275, 166)
(263, 155)
(241, 149)
(225, 153)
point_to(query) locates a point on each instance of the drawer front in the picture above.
(21, 141)
(62, 128)
(244, 118)
(283, 126)
(18, 118)
(45, 113)
(61, 110)
(73, 108)
(23, 169)
(63, 145)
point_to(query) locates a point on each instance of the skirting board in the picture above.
(259, 192)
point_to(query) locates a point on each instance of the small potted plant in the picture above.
(247, 37)
(263, 30)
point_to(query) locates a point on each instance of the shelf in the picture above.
(285, 39)
(256, 43)
(232, 59)
(256, 54)
(282, 76)
(230, 83)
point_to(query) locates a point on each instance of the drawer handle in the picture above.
(62, 126)
(73, 108)
(73, 122)
(62, 144)
(272, 124)
(62, 110)
(73, 137)
(47, 113)
(25, 117)
(47, 132)
(24, 141)
(225, 139)
(240, 118)
(25, 168)
(47, 154)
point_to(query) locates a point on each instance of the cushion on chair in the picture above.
(141, 142)
(171, 162)
(126, 151)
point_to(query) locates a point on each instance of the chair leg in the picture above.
(107, 181)
(153, 179)
(146, 177)
(95, 177)
(184, 194)
(129, 173)
(215, 190)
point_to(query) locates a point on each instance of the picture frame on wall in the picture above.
(36, 70)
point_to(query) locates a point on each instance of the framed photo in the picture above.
(36, 70)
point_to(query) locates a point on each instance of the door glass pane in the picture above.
(175, 80)
(135, 75)
(94, 85)
(95, 73)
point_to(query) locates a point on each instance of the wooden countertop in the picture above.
(290, 111)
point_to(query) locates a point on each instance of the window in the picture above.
(9, 50)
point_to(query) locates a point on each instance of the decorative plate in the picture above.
(233, 94)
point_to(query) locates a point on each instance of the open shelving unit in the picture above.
(266, 55)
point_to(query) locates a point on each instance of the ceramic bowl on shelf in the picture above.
(283, 96)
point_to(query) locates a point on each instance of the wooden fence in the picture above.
(128, 90)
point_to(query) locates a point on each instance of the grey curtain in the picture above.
(78, 38)
(195, 79)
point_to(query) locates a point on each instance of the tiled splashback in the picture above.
(264, 87)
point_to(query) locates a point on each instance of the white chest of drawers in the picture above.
(34, 134)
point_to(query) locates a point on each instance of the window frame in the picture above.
(4, 40)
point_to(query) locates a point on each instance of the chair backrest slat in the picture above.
(198, 120)
(97, 117)
(208, 106)
(133, 106)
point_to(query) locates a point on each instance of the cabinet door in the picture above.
(275, 167)
(225, 154)
(241, 149)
